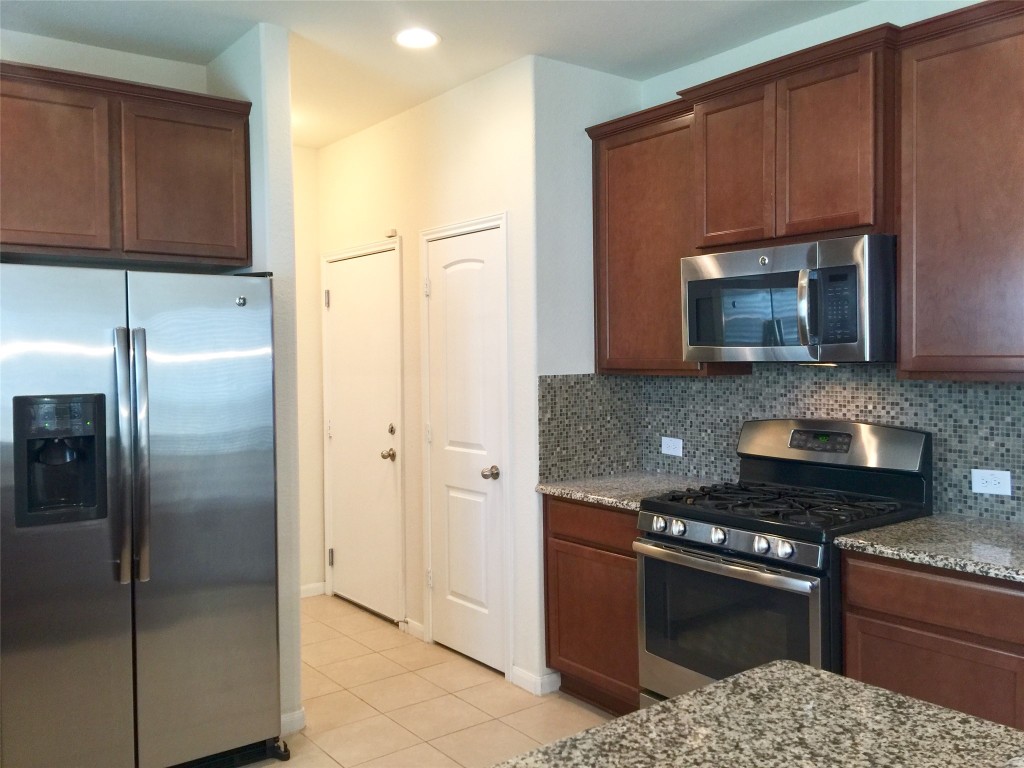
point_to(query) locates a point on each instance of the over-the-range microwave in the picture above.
(826, 301)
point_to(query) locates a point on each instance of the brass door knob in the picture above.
(388, 454)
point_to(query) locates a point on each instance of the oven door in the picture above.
(703, 617)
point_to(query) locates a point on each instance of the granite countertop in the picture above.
(623, 491)
(787, 715)
(985, 547)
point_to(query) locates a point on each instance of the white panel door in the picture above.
(362, 406)
(467, 328)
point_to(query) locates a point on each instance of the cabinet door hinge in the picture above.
(430, 434)
(430, 579)
(327, 298)
(426, 287)
(330, 557)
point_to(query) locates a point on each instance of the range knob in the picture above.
(718, 536)
(761, 545)
(659, 523)
(678, 528)
(784, 550)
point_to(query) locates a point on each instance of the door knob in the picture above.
(490, 473)
(388, 454)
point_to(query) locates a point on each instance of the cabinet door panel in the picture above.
(185, 182)
(952, 673)
(644, 226)
(825, 149)
(962, 201)
(592, 622)
(735, 174)
(55, 158)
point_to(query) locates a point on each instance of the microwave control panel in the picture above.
(838, 305)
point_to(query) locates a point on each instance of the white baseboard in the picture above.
(414, 628)
(312, 590)
(538, 685)
(292, 722)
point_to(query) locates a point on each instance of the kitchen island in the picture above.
(787, 715)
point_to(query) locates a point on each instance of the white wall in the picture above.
(24, 48)
(855, 18)
(255, 68)
(308, 317)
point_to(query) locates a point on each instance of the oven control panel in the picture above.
(822, 442)
(734, 539)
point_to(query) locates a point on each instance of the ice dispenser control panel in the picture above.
(59, 459)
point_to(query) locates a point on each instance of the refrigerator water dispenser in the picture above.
(59, 459)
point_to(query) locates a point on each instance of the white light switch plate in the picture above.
(673, 446)
(994, 481)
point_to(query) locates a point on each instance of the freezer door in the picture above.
(65, 620)
(206, 618)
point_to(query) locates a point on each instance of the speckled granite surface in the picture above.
(787, 715)
(985, 547)
(623, 491)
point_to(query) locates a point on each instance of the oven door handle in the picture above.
(791, 582)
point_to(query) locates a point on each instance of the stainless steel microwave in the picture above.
(826, 301)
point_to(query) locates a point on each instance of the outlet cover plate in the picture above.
(673, 446)
(995, 481)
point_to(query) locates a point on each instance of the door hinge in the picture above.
(327, 298)
(330, 557)
(329, 435)
(430, 579)
(426, 287)
(430, 434)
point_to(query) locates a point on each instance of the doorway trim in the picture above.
(495, 221)
(368, 249)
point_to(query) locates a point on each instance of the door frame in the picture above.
(495, 221)
(355, 252)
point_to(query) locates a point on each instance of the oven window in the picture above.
(718, 626)
(754, 311)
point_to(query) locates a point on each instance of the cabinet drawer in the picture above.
(919, 593)
(597, 526)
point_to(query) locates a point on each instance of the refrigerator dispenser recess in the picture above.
(60, 463)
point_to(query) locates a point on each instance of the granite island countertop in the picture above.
(787, 715)
(622, 491)
(992, 548)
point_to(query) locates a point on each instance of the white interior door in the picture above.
(362, 406)
(467, 372)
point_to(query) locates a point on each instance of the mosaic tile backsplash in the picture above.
(599, 425)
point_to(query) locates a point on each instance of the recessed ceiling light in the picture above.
(417, 38)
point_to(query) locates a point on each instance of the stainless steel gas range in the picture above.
(735, 575)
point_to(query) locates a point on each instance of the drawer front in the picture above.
(609, 529)
(988, 608)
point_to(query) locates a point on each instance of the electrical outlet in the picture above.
(994, 481)
(673, 446)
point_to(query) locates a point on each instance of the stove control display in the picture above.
(820, 442)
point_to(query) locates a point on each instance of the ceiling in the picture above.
(347, 74)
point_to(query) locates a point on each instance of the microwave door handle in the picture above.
(803, 309)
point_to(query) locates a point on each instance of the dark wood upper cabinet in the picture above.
(735, 167)
(962, 197)
(800, 145)
(185, 189)
(55, 160)
(825, 147)
(104, 170)
(643, 226)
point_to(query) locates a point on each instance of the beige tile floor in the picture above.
(376, 697)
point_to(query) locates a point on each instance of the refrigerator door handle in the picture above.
(140, 396)
(122, 369)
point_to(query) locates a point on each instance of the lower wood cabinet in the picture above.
(952, 639)
(591, 602)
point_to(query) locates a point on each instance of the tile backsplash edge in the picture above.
(593, 425)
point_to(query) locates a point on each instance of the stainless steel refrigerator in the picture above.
(138, 565)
